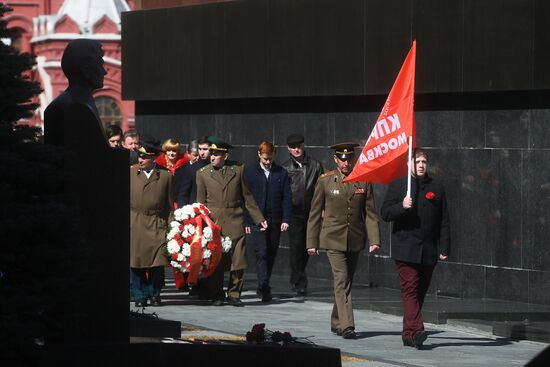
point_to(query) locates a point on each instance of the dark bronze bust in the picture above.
(82, 64)
(72, 123)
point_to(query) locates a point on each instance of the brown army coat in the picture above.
(150, 206)
(349, 215)
(225, 197)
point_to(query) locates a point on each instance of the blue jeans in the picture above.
(146, 282)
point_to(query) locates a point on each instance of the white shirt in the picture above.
(267, 171)
(150, 172)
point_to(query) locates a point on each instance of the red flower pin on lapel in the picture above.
(430, 195)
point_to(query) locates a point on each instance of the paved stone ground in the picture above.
(378, 343)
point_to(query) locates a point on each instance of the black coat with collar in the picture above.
(303, 179)
(185, 184)
(421, 233)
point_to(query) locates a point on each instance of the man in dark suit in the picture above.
(185, 193)
(349, 219)
(222, 186)
(185, 185)
(130, 141)
(270, 187)
(420, 237)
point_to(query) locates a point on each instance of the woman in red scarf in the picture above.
(172, 159)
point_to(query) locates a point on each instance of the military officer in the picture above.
(151, 204)
(349, 217)
(223, 188)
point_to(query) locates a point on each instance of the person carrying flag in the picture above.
(420, 237)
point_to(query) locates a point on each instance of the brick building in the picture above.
(46, 26)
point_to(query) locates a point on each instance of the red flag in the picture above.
(384, 157)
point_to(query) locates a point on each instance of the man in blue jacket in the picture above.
(270, 187)
(420, 237)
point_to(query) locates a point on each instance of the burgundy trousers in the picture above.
(414, 281)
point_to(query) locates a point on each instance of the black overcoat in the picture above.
(421, 233)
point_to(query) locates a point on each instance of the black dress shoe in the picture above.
(349, 333)
(416, 341)
(266, 296)
(301, 292)
(184, 288)
(218, 302)
(419, 339)
(336, 331)
(141, 303)
(155, 301)
(233, 301)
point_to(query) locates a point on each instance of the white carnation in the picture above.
(189, 228)
(175, 264)
(172, 246)
(186, 250)
(206, 253)
(180, 257)
(207, 234)
(174, 224)
(226, 244)
(179, 215)
(172, 233)
(188, 211)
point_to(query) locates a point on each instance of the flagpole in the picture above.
(409, 173)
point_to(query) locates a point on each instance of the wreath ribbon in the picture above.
(217, 241)
(195, 259)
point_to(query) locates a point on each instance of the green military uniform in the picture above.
(225, 191)
(349, 218)
(150, 207)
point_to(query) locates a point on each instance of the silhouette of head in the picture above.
(82, 63)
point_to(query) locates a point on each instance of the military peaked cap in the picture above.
(218, 144)
(344, 150)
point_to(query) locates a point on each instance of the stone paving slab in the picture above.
(378, 343)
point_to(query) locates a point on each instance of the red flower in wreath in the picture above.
(430, 195)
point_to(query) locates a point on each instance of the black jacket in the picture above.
(422, 232)
(185, 184)
(302, 182)
(281, 197)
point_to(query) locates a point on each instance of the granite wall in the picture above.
(262, 69)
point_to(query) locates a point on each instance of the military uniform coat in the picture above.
(349, 215)
(226, 196)
(150, 206)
